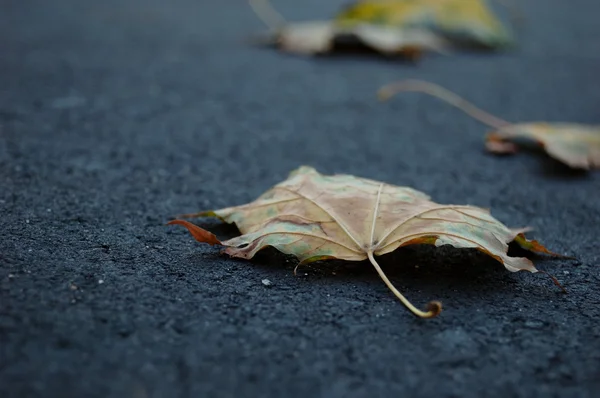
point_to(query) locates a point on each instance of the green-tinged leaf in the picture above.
(468, 21)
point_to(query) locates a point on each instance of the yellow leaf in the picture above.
(470, 21)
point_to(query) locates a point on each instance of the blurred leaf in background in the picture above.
(470, 22)
(390, 27)
(575, 145)
(324, 36)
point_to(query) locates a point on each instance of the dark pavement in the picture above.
(117, 115)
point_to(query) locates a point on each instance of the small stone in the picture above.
(100, 281)
(71, 101)
(534, 324)
(267, 282)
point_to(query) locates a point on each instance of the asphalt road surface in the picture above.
(117, 115)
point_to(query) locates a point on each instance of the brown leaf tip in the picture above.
(200, 234)
(556, 282)
(498, 145)
(434, 308)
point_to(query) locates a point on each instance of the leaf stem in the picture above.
(556, 282)
(433, 307)
(265, 11)
(391, 89)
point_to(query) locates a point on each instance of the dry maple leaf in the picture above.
(575, 145)
(318, 217)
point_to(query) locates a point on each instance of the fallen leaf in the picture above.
(469, 22)
(319, 217)
(320, 37)
(575, 145)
